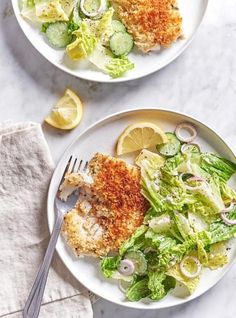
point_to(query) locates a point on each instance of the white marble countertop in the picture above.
(201, 82)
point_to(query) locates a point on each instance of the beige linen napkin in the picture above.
(25, 171)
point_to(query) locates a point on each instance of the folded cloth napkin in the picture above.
(25, 171)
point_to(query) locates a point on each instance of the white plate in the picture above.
(192, 11)
(102, 137)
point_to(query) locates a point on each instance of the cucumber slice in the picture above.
(57, 34)
(92, 6)
(140, 263)
(121, 43)
(117, 26)
(171, 148)
(190, 148)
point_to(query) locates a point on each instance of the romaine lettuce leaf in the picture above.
(217, 256)
(83, 45)
(201, 252)
(159, 284)
(150, 162)
(109, 265)
(209, 197)
(169, 257)
(219, 231)
(183, 225)
(155, 285)
(104, 60)
(102, 28)
(138, 290)
(214, 164)
(227, 193)
(190, 284)
(131, 242)
(158, 241)
(50, 11)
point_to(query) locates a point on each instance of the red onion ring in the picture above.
(126, 267)
(185, 272)
(193, 178)
(197, 178)
(187, 127)
(224, 217)
(226, 220)
(229, 208)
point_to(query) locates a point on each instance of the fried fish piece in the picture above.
(152, 23)
(109, 209)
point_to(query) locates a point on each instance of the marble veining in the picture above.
(201, 82)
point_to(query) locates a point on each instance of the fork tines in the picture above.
(71, 167)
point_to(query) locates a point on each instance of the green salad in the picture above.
(86, 29)
(187, 229)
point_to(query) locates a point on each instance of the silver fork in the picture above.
(33, 303)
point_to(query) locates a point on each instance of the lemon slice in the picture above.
(67, 112)
(139, 136)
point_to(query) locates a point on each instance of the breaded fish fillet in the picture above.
(152, 23)
(109, 209)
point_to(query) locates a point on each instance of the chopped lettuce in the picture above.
(138, 290)
(217, 256)
(50, 11)
(214, 164)
(159, 242)
(183, 225)
(175, 254)
(109, 265)
(219, 231)
(104, 60)
(190, 284)
(83, 45)
(102, 28)
(133, 240)
(159, 284)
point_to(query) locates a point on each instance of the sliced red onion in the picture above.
(126, 267)
(184, 270)
(193, 178)
(229, 208)
(224, 212)
(189, 128)
(185, 147)
(226, 220)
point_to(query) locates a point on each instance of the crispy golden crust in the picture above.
(118, 187)
(117, 208)
(151, 22)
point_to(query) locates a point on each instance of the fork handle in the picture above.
(33, 303)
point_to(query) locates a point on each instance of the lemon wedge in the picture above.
(67, 112)
(140, 136)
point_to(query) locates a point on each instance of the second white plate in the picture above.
(192, 12)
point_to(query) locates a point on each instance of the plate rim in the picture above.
(63, 68)
(101, 121)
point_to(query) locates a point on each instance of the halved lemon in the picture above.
(67, 112)
(140, 136)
